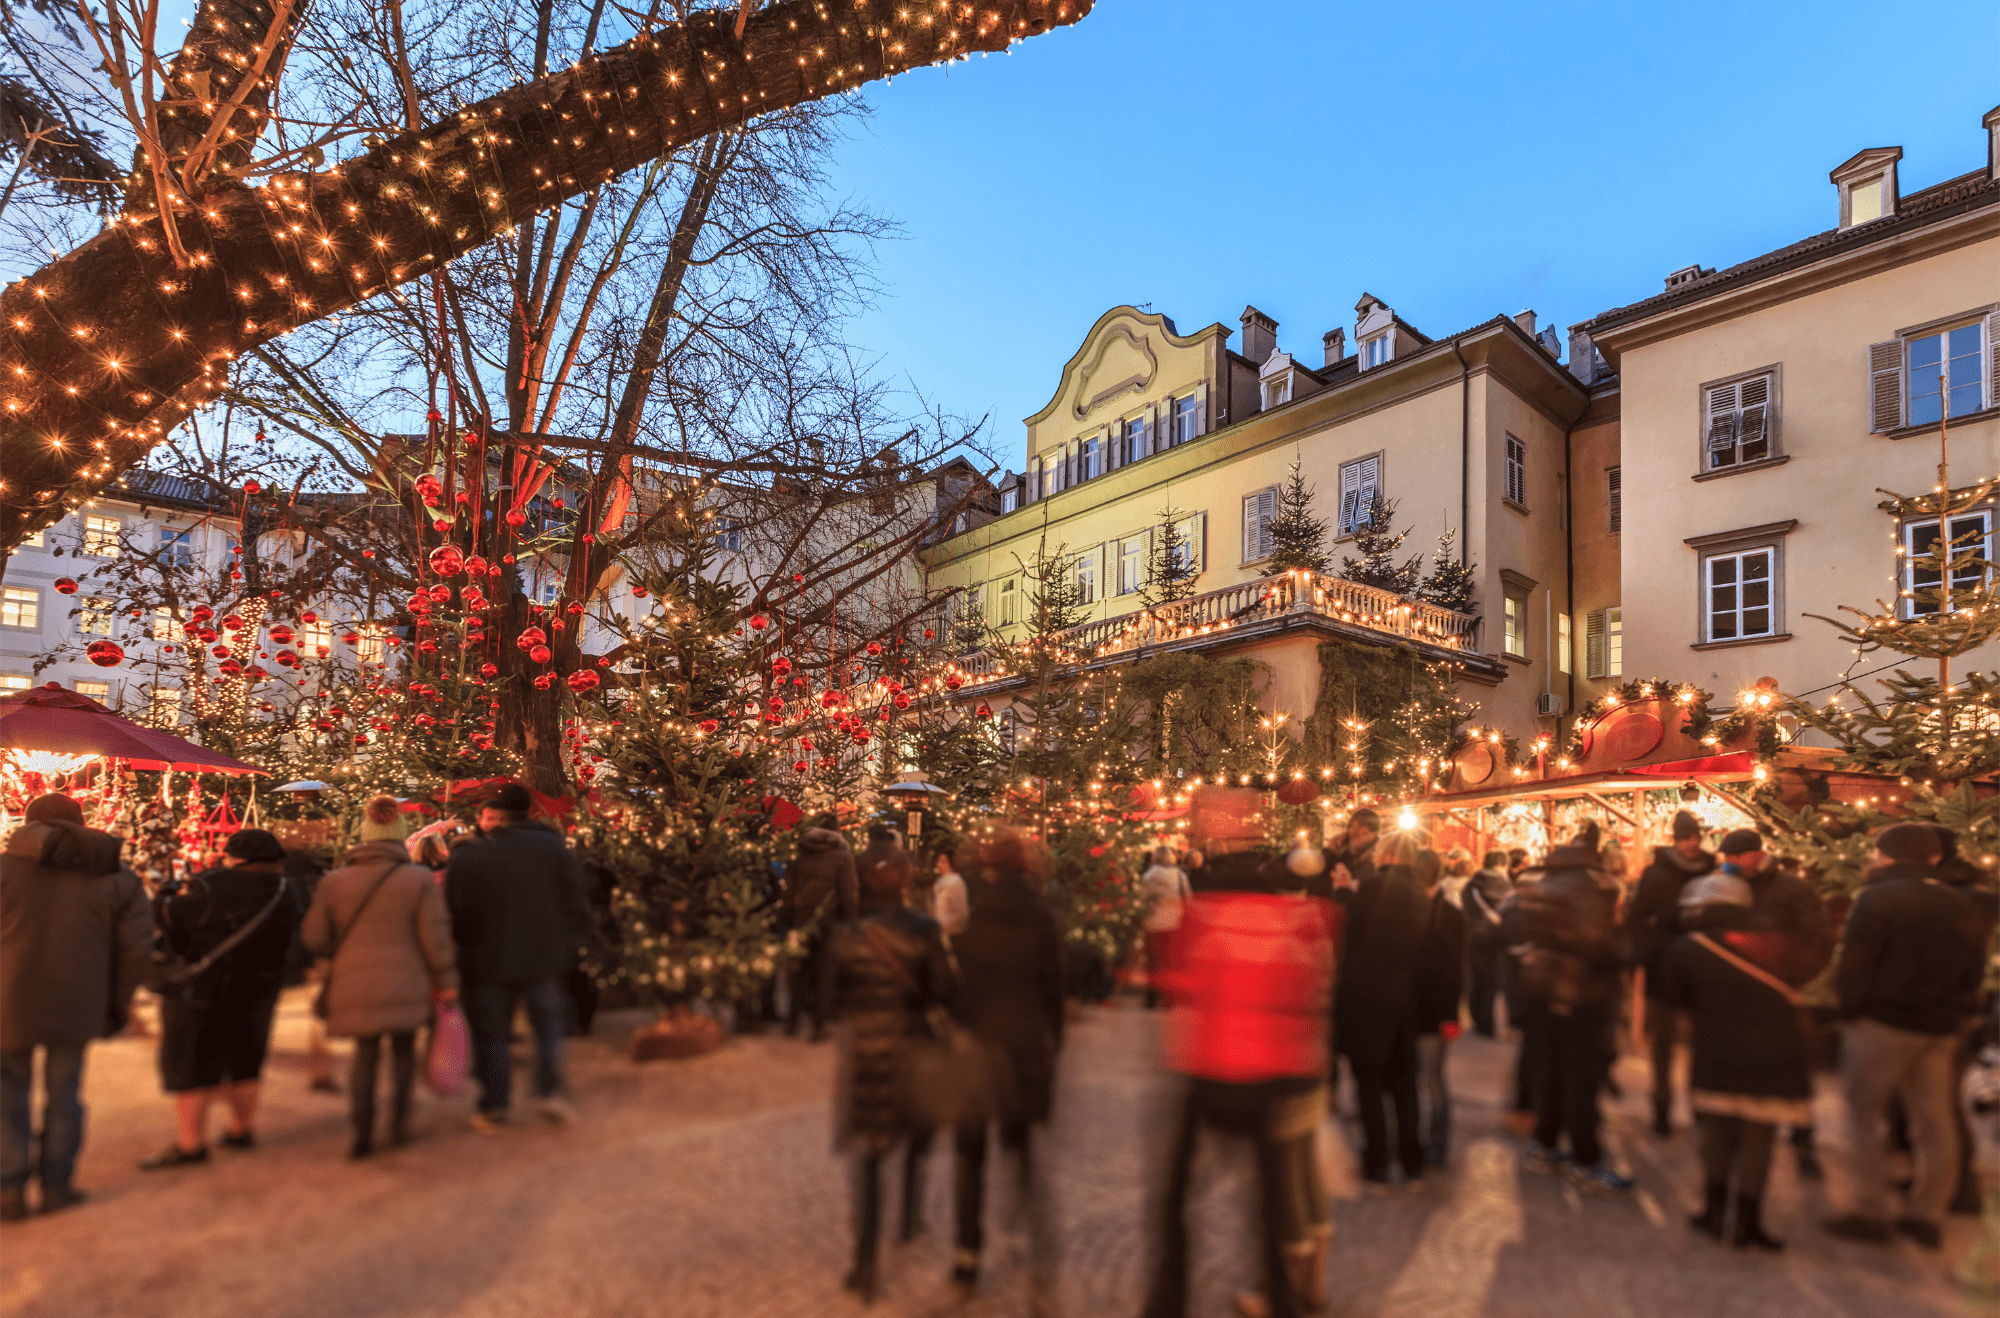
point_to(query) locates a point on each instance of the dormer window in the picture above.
(1278, 390)
(1374, 351)
(1867, 185)
(1864, 201)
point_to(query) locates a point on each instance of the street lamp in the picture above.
(911, 796)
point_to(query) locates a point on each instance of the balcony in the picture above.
(1255, 610)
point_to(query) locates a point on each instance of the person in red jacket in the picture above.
(1249, 989)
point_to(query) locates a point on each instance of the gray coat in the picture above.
(76, 936)
(394, 955)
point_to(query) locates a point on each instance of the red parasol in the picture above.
(52, 719)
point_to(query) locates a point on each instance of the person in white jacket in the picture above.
(1167, 892)
(949, 906)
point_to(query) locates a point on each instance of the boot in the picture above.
(1750, 1225)
(1663, 1119)
(1715, 1200)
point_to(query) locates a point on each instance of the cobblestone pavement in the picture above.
(708, 1188)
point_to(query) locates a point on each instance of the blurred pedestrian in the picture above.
(1750, 1073)
(380, 921)
(1977, 887)
(1247, 1027)
(1651, 926)
(1354, 852)
(1910, 970)
(237, 921)
(881, 972)
(1570, 963)
(1480, 901)
(76, 939)
(1167, 892)
(518, 917)
(1437, 986)
(1375, 1005)
(949, 906)
(821, 890)
(304, 872)
(1010, 997)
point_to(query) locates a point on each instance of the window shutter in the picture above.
(1885, 386)
(1253, 530)
(1034, 479)
(1722, 418)
(1070, 473)
(1201, 409)
(1267, 512)
(1114, 448)
(1593, 643)
(1194, 530)
(1371, 484)
(1614, 500)
(1755, 398)
(1993, 358)
(1148, 423)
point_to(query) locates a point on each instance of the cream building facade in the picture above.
(1768, 404)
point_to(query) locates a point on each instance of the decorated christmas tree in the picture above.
(1171, 570)
(1379, 541)
(1298, 539)
(1451, 581)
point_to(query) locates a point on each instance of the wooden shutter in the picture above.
(1350, 487)
(1258, 511)
(1034, 478)
(1885, 386)
(1993, 358)
(1614, 501)
(1594, 643)
(1200, 410)
(1754, 397)
(1195, 529)
(1721, 418)
(1149, 423)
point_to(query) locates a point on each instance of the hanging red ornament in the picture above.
(206, 634)
(323, 650)
(798, 766)
(236, 550)
(252, 487)
(709, 725)
(798, 578)
(441, 526)
(638, 592)
(540, 654)
(221, 652)
(557, 504)
(288, 658)
(166, 649)
(517, 519)
(281, 634)
(200, 613)
(953, 682)
(902, 702)
(447, 561)
(308, 616)
(874, 647)
(65, 586)
(531, 637)
(583, 679)
(231, 667)
(496, 571)
(983, 712)
(351, 638)
(441, 594)
(929, 634)
(831, 700)
(489, 670)
(604, 661)
(368, 553)
(105, 654)
(759, 623)
(542, 682)
(360, 739)
(573, 609)
(805, 743)
(233, 623)
(427, 647)
(781, 665)
(462, 497)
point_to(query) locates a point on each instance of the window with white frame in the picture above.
(1969, 558)
(1190, 542)
(15, 681)
(1517, 472)
(1007, 597)
(99, 691)
(1187, 419)
(1052, 472)
(374, 645)
(1739, 418)
(1090, 458)
(1009, 501)
(1259, 510)
(1564, 643)
(1360, 486)
(20, 606)
(1739, 598)
(1134, 439)
(1614, 502)
(1516, 617)
(317, 634)
(1131, 565)
(95, 617)
(1374, 351)
(176, 547)
(1934, 372)
(100, 535)
(1086, 578)
(1604, 642)
(1278, 389)
(728, 535)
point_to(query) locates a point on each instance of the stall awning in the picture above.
(1647, 778)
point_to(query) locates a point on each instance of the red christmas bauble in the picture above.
(540, 654)
(447, 561)
(638, 592)
(281, 635)
(489, 670)
(798, 766)
(427, 647)
(65, 585)
(531, 637)
(781, 665)
(475, 566)
(233, 623)
(583, 679)
(517, 519)
(874, 647)
(573, 608)
(105, 654)
(221, 652)
(709, 725)
(231, 667)
(983, 712)
(953, 682)
(252, 487)
(759, 623)
(308, 616)
(288, 658)
(202, 613)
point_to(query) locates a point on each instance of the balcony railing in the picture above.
(1236, 607)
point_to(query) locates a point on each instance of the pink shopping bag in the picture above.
(450, 1057)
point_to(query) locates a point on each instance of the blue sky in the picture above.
(1457, 160)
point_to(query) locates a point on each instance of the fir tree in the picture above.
(1298, 539)
(1378, 540)
(1171, 573)
(1450, 584)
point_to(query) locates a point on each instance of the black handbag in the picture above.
(174, 974)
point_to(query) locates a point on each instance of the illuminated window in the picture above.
(162, 626)
(15, 682)
(1007, 602)
(95, 619)
(20, 606)
(101, 535)
(99, 691)
(1969, 557)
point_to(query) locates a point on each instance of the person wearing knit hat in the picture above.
(1911, 965)
(1652, 923)
(382, 820)
(53, 808)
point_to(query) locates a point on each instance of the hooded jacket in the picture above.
(1790, 905)
(1911, 956)
(1652, 918)
(518, 911)
(823, 870)
(1010, 989)
(76, 936)
(391, 950)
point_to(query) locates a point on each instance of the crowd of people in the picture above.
(942, 978)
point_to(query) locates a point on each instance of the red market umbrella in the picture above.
(52, 719)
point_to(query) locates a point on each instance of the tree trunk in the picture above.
(106, 349)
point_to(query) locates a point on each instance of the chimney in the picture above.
(1526, 320)
(1335, 342)
(1991, 122)
(1260, 335)
(1584, 363)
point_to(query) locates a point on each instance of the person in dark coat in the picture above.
(1910, 970)
(1480, 901)
(1788, 904)
(1570, 963)
(1375, 1018)
(214, 1034)
(821, 885)
(519, 918)
(1977, 887)
(1355, 853)
(880, 974)
(1652, 924)
(1246, 1026)
(1737, 980)
(381, 920)
(1437, 986)
(76, 938)
(1010, 997)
